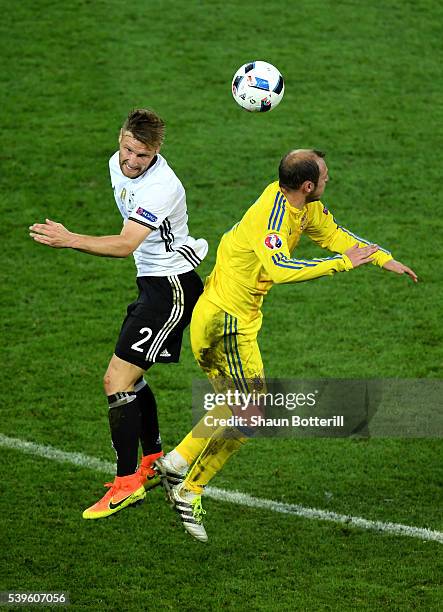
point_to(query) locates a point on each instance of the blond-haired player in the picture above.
(152, 203)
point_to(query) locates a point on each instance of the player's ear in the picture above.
(308, 186)
(120, 136)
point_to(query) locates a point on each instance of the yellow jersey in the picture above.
(256, 252)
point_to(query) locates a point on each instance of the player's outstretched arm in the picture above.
(361, 255)
(57, 236)
(396, 266)
(52, 234)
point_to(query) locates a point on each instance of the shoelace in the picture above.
(110, 485)
(197, 509)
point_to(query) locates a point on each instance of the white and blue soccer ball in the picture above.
(258, 87)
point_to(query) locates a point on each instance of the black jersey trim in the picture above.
(143, 223)
(189, 254)
(199, 259)
(166, 234)
(187, 257)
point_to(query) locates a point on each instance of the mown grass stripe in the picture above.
(232, 497)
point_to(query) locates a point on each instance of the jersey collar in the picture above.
(297, 212)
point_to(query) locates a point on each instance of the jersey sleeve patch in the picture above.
(149, 216)
(273, 242)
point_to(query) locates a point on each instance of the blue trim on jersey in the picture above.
(276, 214)
(359, 238)
(298, 264)
(230, 353)
(292, 267)
(273, 209)
(282, 215)
(274, 220)
(225, 341)
(231, 338)
(318, 259)
(279, 202)
(238, 355)
(278, 257)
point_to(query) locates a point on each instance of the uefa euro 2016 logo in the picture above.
(272, 241)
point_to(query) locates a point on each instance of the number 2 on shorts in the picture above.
(144, 330)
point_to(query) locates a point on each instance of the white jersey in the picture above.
(157, 200)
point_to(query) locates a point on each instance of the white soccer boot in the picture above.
(189, 508)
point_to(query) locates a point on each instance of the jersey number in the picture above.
(136, 345)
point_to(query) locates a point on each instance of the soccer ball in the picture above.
(258, 87)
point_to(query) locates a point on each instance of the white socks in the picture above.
(177, 462)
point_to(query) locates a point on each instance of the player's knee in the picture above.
(113, 383)
(108, 384)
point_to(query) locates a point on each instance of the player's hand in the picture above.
(52, 234)
(399, 268)
(360, 256)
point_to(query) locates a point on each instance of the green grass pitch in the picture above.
(363, 82)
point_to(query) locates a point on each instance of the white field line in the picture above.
(233, 497)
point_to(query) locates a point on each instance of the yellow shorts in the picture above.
(226, 347)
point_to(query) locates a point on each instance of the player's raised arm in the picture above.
(58, 236)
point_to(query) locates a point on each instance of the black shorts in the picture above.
(153, 328)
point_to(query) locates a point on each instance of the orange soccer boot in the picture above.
(124, 491)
